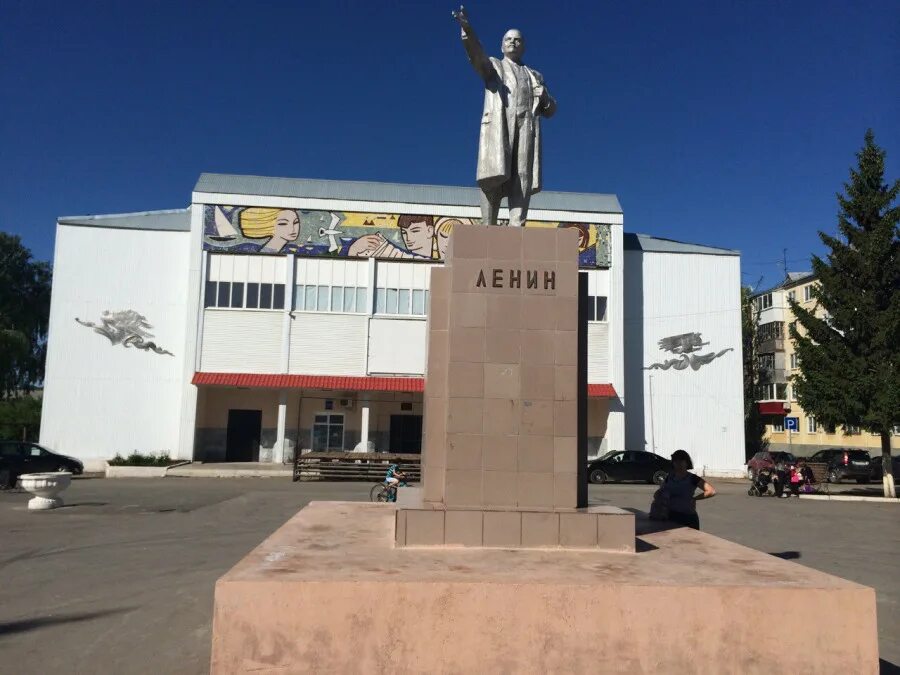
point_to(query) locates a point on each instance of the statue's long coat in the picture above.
(494, 161)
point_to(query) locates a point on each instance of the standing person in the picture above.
(679, 488)
(796, 480)
(509, 145)
(778, 478)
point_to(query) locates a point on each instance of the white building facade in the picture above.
(275, 316)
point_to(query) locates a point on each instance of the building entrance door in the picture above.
(244, 431)
(406, 434)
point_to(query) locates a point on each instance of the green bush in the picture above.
(18, 414)
(138, 459)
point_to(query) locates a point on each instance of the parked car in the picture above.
(618, 465)
(844, 463)
(17, 458)
(767, 460)
(875, 466)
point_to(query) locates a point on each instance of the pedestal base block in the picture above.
(329, 592)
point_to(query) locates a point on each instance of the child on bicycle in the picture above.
(392, 480)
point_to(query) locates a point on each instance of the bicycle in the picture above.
(382, 492)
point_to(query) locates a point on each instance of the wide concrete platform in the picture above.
(330, 592)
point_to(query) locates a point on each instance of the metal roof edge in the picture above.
(211, 183)
(632, 242)
(162, 220)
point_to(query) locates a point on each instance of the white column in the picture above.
(287, 316)
(278, 451)
(364, 423)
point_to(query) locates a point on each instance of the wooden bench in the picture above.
(354, 466)
(820, 476)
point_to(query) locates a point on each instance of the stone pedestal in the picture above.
(330, 593)
(505, 399)
(498, 565)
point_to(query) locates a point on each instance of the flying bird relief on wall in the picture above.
(127, 328)
(684, 346)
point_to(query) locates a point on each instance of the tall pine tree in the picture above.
(849, 348)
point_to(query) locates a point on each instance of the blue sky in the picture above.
(726, 123)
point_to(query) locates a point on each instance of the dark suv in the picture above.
(845, 463)
(767, 460)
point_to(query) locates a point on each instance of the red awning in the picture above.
(408, 384)
(341, 382)
(772, 408)
(601, 391)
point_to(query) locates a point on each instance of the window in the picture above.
(778, 427)
(770, 331)
(328, 432)
(771, 392)
(766, 361)
(795, 361)
(765, 301)
(401, 301)
(229, 285)
(850, 429)
(596, 309)
(792, 295)
(811, 425)
(318, 298)
(238, 295)
(792, 392)
(807, 292)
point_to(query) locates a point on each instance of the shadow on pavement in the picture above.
(25, 625)
(787, 555)
(888, 668)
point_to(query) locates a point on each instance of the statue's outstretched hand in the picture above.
(462, 19)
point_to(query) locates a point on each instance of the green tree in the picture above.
(24, 313)
(754, 424)
(850, 353)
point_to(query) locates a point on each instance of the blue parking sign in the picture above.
(792, 423)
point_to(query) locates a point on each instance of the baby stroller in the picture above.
(760, 486)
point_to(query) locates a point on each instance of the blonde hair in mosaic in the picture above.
(442, 229)
(258, 222)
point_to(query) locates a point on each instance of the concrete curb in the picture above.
(230, 473)
(141, 471)
(852, 498)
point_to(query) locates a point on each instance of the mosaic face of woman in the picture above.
(287, 225)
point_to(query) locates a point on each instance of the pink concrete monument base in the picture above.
(329, 592)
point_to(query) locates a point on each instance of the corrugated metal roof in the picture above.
(645, 242)
(217, 183)
(340, 382)
(174, 220)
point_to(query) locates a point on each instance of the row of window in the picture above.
(331, 299)
(346, 299)
(813, 427)
(240, 295)
(770, 331)
(765, 301)
(401, 301)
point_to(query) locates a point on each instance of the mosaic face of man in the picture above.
(513, 46)
(418, 237)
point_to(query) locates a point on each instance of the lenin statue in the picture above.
(509, 147)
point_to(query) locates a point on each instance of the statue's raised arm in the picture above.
(479, 60)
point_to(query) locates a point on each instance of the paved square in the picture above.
(122, 579)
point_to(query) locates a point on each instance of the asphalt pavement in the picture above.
(121, 579)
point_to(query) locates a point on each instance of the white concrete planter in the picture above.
(45, 487)
(136, 471)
